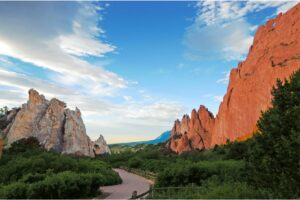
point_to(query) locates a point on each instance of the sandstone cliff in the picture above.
(56, 127)
(275, 54)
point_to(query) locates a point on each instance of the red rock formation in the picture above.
(275, 54)
(192, 133)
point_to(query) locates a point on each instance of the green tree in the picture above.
(273, 160)
(135, 162)
(3, 110)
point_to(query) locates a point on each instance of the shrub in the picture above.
(135, 162)
(28, 171)
(231, 190)
(274, 160)
(181, 174)
(66, 185)
(237, 150)
(16, 190)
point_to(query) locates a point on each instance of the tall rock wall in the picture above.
(56, 127)
(275, 54)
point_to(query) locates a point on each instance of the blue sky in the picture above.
(132, 68)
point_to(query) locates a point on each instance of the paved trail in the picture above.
(130, 183)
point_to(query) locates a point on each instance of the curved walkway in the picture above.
(131, 182)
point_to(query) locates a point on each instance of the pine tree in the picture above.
(274, 159)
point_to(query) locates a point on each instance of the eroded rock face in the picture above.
(56, 127)
(51, 126)
(7, 120)
(76, 140)
(192, 133)
(27, 120)
(275, 54)
(100, 147)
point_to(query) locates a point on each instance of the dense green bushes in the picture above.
(27, 171)
(211, 190)
(274, 158)
(230, 190)
(181, 174)
(62, 185)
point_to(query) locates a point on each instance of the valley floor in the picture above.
(131, 182)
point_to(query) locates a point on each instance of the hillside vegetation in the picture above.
(265, 166)
(28, 171)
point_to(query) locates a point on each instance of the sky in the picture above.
(132, 68)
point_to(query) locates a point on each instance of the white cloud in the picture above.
(221, 30)
(4, 60)
(219, 12)
(11, 98)
(225, 79)
(218, 98)
(112, 120)
(83, 41)
(127, 98)
(229, 42)
(59, 38)
(253, 28)
(23, 39)
(23, 82)
(286, 6)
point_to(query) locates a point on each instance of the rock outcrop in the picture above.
(6, 121)
(275, 54)
(100, 146)
(192, 132)
(56, 127)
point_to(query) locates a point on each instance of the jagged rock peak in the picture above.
(35, 98)
(192, 132)
(101, 147)
(55, 126)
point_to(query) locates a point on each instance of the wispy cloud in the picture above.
(218, 98)
(221, 29)
(225, 79)
(61, 38)
(83, 41)
(54, 47)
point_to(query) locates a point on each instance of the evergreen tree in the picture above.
(274, 158)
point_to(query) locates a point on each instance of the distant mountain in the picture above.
(160, 139)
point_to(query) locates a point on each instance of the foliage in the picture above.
(273, 160)
(135, 162)
(28, 171)
(212, 189)
(181, 174)
(3, 110)
(124, 148)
